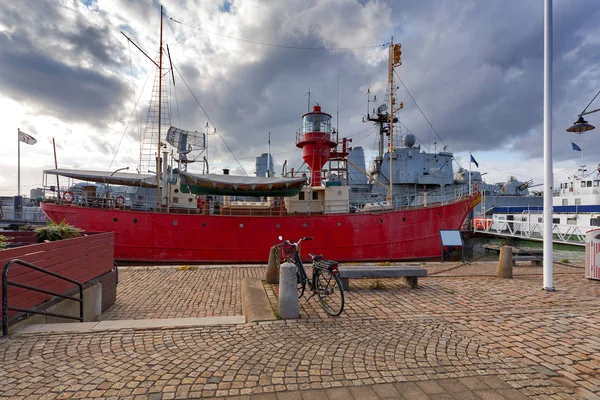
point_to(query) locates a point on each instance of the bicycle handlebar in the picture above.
(298, 242)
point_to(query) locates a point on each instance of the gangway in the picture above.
(528, 230)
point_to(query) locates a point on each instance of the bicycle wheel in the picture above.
(301, 279)
(329, 291)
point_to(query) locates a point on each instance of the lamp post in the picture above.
(548, 284)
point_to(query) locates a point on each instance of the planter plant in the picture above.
(3, 242)
(52, 231)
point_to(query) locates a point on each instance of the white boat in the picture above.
(576, 210)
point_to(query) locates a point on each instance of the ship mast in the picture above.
(158, 166)
(394, 60)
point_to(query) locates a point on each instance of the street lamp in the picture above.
(581, 125)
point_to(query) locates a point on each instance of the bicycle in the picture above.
(325, 283)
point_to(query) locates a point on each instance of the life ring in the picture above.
(120, 200)
(68, 197)
(41, 216)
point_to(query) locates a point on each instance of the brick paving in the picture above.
(460, 335)
(176, 292)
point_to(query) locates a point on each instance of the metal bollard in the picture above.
(288, 292)
(272, 267)
(505, 263)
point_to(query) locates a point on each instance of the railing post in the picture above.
(5, 300)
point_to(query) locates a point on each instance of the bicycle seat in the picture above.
(316, 257)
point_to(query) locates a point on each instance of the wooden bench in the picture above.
(537, 260)
(409, 274)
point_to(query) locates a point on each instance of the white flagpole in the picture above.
(548, 283)
(470, 188)
(19, 162)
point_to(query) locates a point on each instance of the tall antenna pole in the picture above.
(308, 94)
(390, 196)
(394, 54)
(158, 166)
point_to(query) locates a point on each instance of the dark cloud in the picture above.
(70, 93)
(475, 69)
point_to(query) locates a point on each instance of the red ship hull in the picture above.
(167, 237)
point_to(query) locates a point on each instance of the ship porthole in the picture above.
(115, 219)
(175, 223)
(339, 224)
(381, 221)
(241, 225)
(204, 224)
(277, 226)
(403, 219)
(135, 220)
(304, 225)
(438, 214)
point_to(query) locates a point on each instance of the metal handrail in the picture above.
(6, 282)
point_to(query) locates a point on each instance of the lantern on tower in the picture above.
(314, 138)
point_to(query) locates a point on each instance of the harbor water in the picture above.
(475, 250)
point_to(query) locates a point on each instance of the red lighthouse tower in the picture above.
(316, 141)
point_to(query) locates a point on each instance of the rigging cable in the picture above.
(586, 107)
(137, 117)
(206, 114)
(128, 122)
(279, 45)
(413, 99)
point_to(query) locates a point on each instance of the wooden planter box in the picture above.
(83, 259)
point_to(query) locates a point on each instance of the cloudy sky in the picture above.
(473, 66)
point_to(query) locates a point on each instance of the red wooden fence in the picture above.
(82, 259)
(21, 237)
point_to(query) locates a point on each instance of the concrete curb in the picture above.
(255, 304)
(88, 327)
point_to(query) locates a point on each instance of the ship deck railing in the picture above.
(527, 230)
(134, 202)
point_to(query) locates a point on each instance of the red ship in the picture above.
(200, 218)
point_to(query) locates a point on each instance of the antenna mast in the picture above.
(308, 94)
(394, 61)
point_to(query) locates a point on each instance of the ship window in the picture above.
(556, 220)
(571, 220)
(593, 221)
(301, 196)
(596, 183)
(582, 183)
(577, 202)
(589, 183)
(523, 218)
(315, 195)
(540, 219)
(565, 202)
(501, 218)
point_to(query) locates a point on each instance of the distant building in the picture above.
(357, 157)
(36, 194)
(261, 165)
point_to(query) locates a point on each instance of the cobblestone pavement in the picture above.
(176, 292)
(457, 336)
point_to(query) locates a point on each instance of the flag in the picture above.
(474, 162)
(23, 137)
(575, 147)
